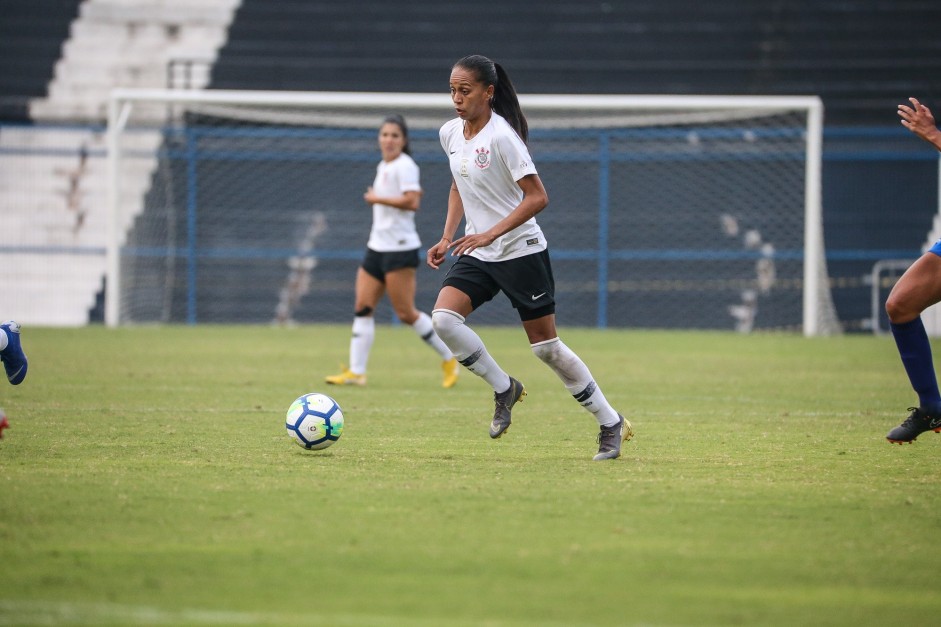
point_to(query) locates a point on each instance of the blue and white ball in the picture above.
(314, 421)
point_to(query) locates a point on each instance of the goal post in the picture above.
(666, 211)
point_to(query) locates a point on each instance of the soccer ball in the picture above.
(314, 421)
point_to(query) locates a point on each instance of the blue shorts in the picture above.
(936, 248)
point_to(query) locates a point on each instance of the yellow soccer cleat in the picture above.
(451, 369)
(346, 378)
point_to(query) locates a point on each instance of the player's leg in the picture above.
(571, 370)
(578, 380)
(531, 289)
(3, 423)
(471, 353)
(917, 289)
(467, 287)
(369, 290)
(11, 352)
(401, 286)
(448, 320)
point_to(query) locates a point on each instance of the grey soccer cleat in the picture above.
(503, 403)
(610, 438)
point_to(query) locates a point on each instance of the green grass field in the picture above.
(147, 479)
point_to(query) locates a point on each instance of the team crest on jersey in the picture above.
(483, 158)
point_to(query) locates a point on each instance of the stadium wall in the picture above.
(863, 57)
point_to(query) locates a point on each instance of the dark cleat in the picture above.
(917, 423)
(503, 403)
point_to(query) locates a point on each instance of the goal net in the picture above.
(665, 212)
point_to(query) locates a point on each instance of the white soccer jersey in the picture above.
(394, 229)
(486, 169)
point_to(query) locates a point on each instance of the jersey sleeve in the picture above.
(409, 176)
(444, 134)
(515, 156)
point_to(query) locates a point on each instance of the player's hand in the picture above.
(919, 120)
(437, 253)
(370, 197)
(469, 243)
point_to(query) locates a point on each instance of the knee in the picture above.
(445, 321)
(898, 310)
(893, 309)
(547, 351)
(408, 315)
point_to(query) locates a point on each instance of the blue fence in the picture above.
(880, 194)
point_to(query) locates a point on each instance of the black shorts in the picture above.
(376, 264)
(527, 281)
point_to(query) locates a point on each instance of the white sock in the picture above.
(425, 331)
(3, 339)
(364, 331)
(577, 379)
(468, 348)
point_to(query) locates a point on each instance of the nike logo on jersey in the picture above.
(452, 152)
(537, 296)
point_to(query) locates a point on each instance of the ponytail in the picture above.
(506, 103)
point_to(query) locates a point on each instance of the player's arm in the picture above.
(408, 201)
(534, 200)
(437, 253)
(919, 120)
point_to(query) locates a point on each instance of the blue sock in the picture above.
(915, 351)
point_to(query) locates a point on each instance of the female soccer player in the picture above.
(495, 187)
(917, 289)
(392, 256)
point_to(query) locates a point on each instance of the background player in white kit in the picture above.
(496, 189)
(392, 256)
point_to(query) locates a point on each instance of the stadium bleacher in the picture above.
(60, 61)
(31, 38)
(58, 58)
(858, 56)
